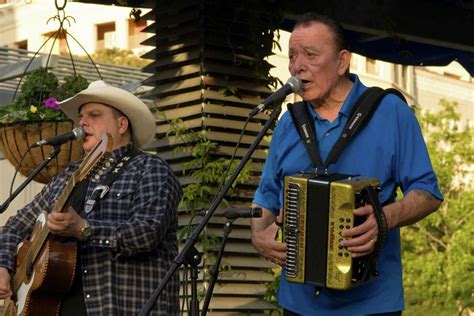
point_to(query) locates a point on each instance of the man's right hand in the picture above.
(264, 231)
(5, 290)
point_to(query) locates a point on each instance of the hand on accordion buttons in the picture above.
(361, 239)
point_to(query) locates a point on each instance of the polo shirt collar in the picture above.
(357, 89)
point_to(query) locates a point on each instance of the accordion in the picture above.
(317, 208)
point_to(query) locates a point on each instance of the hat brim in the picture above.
(139, 115)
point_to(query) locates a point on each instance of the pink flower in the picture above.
(52, 103)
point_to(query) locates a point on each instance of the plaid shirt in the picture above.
(133, 241)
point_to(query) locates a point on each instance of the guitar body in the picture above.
(45, 281)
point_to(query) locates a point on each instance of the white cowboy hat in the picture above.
(140, 117)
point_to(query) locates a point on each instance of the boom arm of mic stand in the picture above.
(56, 151)
(191, 241)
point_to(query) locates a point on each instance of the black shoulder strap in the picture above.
(305, 126)
(362, 111)
(121, 165)
(360, 116)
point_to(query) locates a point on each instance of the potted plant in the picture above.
(35, 115)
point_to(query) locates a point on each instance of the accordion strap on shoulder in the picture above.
(361, 113)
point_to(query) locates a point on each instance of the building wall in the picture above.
(26, 195)
(18, 19)
(432, 86)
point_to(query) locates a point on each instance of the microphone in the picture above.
(242, 212)
(77, 133)
(293, 85)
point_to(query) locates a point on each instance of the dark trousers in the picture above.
(399, 313)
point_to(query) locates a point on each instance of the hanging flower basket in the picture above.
(15, 138)
(34, 116)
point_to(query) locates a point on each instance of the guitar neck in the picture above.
(63, 197)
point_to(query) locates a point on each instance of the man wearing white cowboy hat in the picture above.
(125, 223)
(130, 108)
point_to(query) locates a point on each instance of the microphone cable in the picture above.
(237, 145)
(23, 156)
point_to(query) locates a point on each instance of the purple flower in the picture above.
(52, 103)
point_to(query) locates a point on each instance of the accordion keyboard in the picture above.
(292, 228)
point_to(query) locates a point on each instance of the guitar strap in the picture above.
(78, 194)
(103, 188)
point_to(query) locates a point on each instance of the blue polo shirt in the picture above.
(390, 148)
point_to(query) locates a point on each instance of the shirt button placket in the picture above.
(84, 273)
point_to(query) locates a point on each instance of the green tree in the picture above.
(438, 251)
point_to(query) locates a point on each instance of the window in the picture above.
(401, 76)
(371, 66)
(451, 75)
(106, 36)
(60, 45)
(21, 44)
(135, 34)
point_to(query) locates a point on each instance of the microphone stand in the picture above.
(52, 155)
(214, 272)
(191, 241)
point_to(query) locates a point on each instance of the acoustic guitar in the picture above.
(46, 263)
